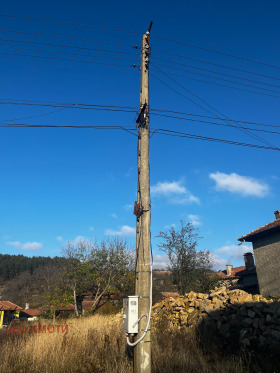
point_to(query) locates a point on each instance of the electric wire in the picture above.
(162, 131)
(129, 109)
(68, 38)
(66, 59)
(26, 125)
(138, 33)
(216, 118)
(68, 53)
(212, 108)
(68, 46)
(214, 72)
(69, 23)
(217, 52)
(35, 116)
(215, 123)
(216, 64)
(124, 109)
(226, 85)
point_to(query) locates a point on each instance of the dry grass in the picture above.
(92, 344)
(97, 344)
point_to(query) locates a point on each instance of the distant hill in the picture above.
(13, 265)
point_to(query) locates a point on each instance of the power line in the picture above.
(128, 109)
(216, 64)
(69, 46)
(35, 116)
(159, 131)
(245, 131)
(69, 23)
(216, 123)
(217, 52)
(215, 72)
(216, 118)
(226, 85)
(26, 125)
(68, 38)
(162, 131)
(67, 53)
(65, 59)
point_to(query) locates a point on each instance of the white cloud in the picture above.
(114, 216)
(59, 238)
(168, 188)
(170, 226)
(125, 230)
(234, 251)
(194, 219)
(219, 263)
(128, 173)
(230, 254)
(26, 246)
(79, 239)
(128, 207)
(160, 261)
(175, 192)
(91, 229)
(244, 185)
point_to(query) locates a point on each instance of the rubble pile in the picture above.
(253, 319)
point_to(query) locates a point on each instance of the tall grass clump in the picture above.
(97, 344)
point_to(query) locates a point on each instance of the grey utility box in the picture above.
(130, 314)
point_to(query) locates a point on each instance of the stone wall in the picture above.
(251, 319)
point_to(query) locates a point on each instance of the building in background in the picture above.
(266, 246)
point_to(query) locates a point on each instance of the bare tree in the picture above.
(191, 269)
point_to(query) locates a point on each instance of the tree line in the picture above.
(11, 266)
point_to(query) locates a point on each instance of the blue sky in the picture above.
(60, 184)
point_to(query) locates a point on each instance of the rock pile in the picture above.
(253, 319)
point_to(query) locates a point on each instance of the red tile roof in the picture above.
(6, 306)
(234, 272)
(275, 224)
(32, 313)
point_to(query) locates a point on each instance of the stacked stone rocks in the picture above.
(252, 319)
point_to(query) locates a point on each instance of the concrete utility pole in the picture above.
(142, 352)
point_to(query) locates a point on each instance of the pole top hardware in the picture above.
(138, 209)
(141, 116)
(149, 29)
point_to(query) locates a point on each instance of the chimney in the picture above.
(229, 269)
(27, 306)
(277, 214)
(249, 261)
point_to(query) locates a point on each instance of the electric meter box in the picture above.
(130, 314)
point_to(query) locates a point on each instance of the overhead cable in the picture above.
(216, 64)
(67, 37)
(161, 131)
(210, 106)
(226, 85)
(66, 59)
(69, 53)
(217, 52)
(214, 72)
(216, 123)
(68, 46)
(69, 23)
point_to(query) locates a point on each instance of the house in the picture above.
(8, 312)
(245, 276)
(231, 272)
(266, 247)
(29, 314)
